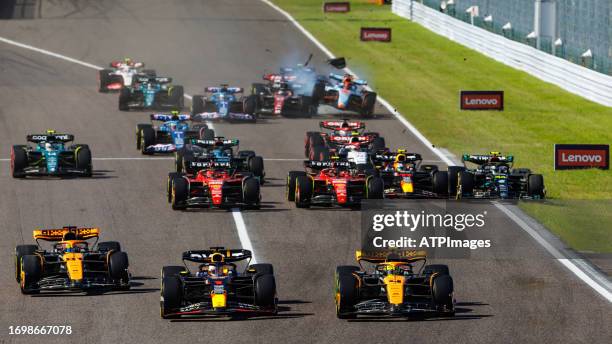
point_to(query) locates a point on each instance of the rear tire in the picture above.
(466, 184)
(109, 246)
(176, 97)
(124, 99)
(440, 182)
(367, 106)
(375, 188)
(207, 134)
(265, 291)
(147, 138)
(378, 144)
(249, 105)
(31, 266)
(83, 160)
(20, 252)
(453, 177)
(303, 191)
(291, 181)
(256, 166)
(118, 266)
(263, 269)
(171, 293)
(251, 191)
(139, 128)
(442, 291)
(346, 295)
(197, 105)
(19, 161)
(440, 269)
(103, 80)
(180, 191)
(535, 185)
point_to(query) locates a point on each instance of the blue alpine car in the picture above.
(224, 103)
(171, 134)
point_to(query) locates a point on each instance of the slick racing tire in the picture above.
(442, 291)
(440, 269)
(171, 294)
(107, 246)
(375, 188)
(139, 128)
(180, 191)
(291, 181)
(172, 271)
(20, 252)
(251, 191)
(249, 105)
(176, 97)
(207, 134)
(315, 140)
(170, 183)
(31, 268)
(307, 142)
(256, 166)
(104, 79)
(124, 99)
(465, 184)
(246, 154)
(318, 92)
(262, 269)
(147, 138)
(367, 106)
(197, 105)
(83, 160)
(535, 185)
(19, 161)
(440, 182)
(265, 291)
(378, 144)
(303, 191)
(118, 266)
(346, 295)
(453, 176)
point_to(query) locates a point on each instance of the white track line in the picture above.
(566, 262)
(237, 215)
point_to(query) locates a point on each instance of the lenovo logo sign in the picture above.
(582, 156)
(482, 100)
(379, 34)
(337, 7)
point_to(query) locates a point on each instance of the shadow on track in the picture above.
(284, 312)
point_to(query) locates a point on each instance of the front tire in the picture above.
(303, 191)
(171, 294)
(291, 181)
(180, 191)
(19, 161)
(124, 99)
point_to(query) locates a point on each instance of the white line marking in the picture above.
(243, 234)
(555, 253)
(577, 271)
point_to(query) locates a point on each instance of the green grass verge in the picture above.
(422, 74)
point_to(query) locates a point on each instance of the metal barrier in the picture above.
(567, 75)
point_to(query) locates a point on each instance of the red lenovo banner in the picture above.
(582, 156)
(337, 7)
(482, 100)
(380, 34)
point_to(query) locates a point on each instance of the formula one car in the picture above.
(121, 74)
(495, 177)
(224, 104)
(171, 135)
(347, 93)
(151, 92)
(321, 145)
(217, 288)
(332, 183)
(219, 150)
(394, 287)
(215, 184)
(406, 177)
(71, 263)
(50, 157)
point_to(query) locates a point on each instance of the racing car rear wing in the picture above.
(342, 125)
(319, 165)
(37, 138)
(213, 143)
(81, 233)
(393, 256)
(217, 255)
(169, 117)
(485, 158)
(409, 157)
(224, 88)
(201, 165)
(160, 80)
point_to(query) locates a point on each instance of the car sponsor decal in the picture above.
(577, 156)
(482, 100)
(379, 34)
(337, 7)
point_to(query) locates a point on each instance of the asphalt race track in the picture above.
(203, 43)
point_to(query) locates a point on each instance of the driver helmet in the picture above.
(172, 126)
(127, 61)
(210, 173)
(48, 146)
(212, 270)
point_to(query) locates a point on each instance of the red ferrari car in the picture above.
(332, 183)
(213, 184)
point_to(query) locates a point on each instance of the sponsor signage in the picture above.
(380, 34)
(482, 100)
(337, 7)
(582, 156)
